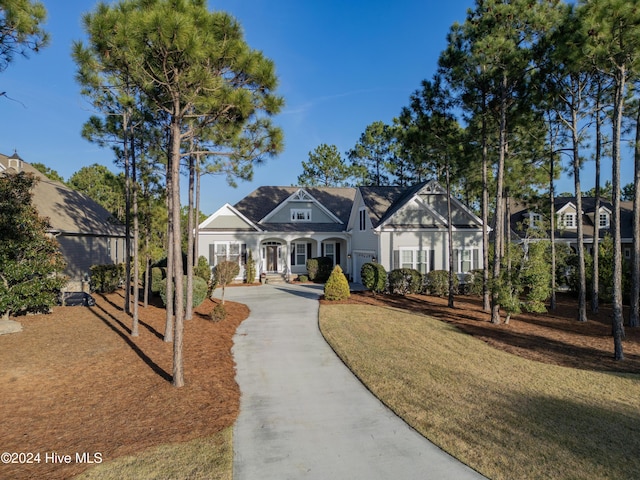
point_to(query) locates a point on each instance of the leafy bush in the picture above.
(224, 273)
(157, 275)
(218, 313)
(437, 283)
(303, 278)
(200, 289)
(374, 277)
(337, 286)
(202, 269)
(403, 281)
(106, 278)
(319, 269)
(473, 283)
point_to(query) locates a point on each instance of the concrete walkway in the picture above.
(304, 415)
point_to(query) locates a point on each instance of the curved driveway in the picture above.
(304, 415)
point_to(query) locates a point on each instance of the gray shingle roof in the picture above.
(264, 200)
(68, 211)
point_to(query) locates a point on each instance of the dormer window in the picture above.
(569, 220)
(300, 214)
(535, 219)
(603, 220)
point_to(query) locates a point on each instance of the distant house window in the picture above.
(363, 219)
(569, 220)
(603, 220)
(300, 214)
(627, 253)
(535, 220)
(465, 260)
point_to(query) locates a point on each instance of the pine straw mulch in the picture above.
(555, 337)
(76, 381)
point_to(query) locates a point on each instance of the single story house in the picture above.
(395, 226)
(87, 233)
(595, 225)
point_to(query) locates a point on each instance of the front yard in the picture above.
(76, 382)
(498, 399)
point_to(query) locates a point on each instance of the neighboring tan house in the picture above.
(395, 226)
(567, 218)
(87, 233)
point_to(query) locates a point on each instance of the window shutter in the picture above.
(322, 249)
(243, 253)
(212, 254)
(476, 260)
(396, 259)
(432, 260)
(293, 254)
(337, 253)
(308, 250)
(455, 260)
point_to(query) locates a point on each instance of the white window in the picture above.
(363, 219)
(465, 260)
(301, 253)
(535, 220)
(330, 251)
(569, 220)
(300, 214)
(227, 251)
(417, 259)
(603, 220)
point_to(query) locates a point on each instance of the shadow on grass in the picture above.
(124, 331)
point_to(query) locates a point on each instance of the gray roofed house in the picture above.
(86, 231)
(595, 226)
(397, 226)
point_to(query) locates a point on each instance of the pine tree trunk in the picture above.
(552, 227)
(634, 316)
(168, 327)
(188, 309)
(595, 285)
(618, 325)
(582, 290)
(450, 299)
(136, 236)
(178, 366)
(486, 301)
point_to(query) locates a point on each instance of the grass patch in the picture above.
(503, 415)
(201, 459)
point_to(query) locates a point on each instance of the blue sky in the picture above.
(342, 65)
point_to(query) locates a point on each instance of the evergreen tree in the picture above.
(21, 29)
(31, 264)
(325, 168)
(374, 154)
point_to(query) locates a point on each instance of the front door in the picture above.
(272, 258)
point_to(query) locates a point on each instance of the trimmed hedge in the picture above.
(437, 283)
(200, 289)
(403, 281)
(106, 278)
(337, 286)
(374, 277)
(319, 269)
(473, 283)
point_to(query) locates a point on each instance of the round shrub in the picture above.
(337, 286)
(473, 283)
(403, 281)
(437, 283)
(374, 277)
(200, 289)
(202, 269)
(303, 278)
(218, 313)
(158, 274)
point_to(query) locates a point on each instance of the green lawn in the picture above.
(507, 417)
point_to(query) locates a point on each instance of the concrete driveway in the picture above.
(303, 414)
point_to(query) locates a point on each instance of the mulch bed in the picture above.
(75, 381)
(554, 337)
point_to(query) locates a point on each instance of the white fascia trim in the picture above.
(234, 211)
